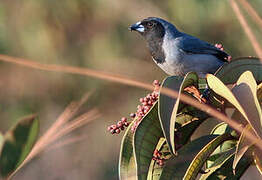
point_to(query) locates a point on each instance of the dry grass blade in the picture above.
(68, 113)
(66, 142)
(251, 12)
(61, 127)
(123, 80)
(72, 125)
(247, 29)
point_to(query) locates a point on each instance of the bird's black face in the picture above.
(150, 28)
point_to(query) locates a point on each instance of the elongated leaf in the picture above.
(189, 80)
(202, 156)
(225, 171)
(145, 141)
(2, 140)
(222, 128)
(259, 93)
(155, 170)
(246, 93)
(258, 159)
(127, 166)
(166, 105)
(220, 88)
(230, 72)
(219, 158)
(18, 142)
(191, 158)
(186, 130)
(243, 145)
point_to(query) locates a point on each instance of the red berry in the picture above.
(112, 131)
(144, 103)
(123, 119)
(160, 162)
(155, 82)
(119, 124)
(109, 128)
(117, 131)
(126, 124)
(132, 115)
(114, 127)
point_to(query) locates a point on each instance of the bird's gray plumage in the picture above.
(178, 53)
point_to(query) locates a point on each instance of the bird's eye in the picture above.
(150, 24)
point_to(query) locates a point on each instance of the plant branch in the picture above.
(131, 82)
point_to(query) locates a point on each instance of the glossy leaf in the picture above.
(146, 138)
(191, 158)
(18, 142)
(225, 171)
(191, 79)
(220, 129)
(257, 154)
(243, 145)
(185, 131)
(259, 93)
(218, 158)
(221, 89)
(127, 164)
(230, 72)
(166, 105)
(155, 170)
(246, 93)
(2, 139)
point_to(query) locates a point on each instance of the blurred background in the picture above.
(93, 34)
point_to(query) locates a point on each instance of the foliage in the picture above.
(17, 143)
(167, 129)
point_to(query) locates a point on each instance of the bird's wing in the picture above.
(194, 45)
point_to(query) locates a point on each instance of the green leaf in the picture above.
(155, 170)
(18, 142)
(243, 145)
(259, 93)
(222, 128)
(225, 171)
(185, 131)
(166, 105)
(146, 138)
(191, 79)
(257, 154)
(221, 89)
(245, 92)
(191, 157)
(230, 72)
(127, 166)
(218, 158)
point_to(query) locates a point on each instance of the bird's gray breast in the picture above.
(156, 50)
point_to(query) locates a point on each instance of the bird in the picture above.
(176, 52)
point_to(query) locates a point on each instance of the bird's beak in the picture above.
(137, 27)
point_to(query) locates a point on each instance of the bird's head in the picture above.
(150, 28)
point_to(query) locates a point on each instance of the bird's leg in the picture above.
(196, 93)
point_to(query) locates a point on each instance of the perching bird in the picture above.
(178, 53)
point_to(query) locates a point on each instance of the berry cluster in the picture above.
(116, 128)
(146, 103)
(220, 46)
(157, 157)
